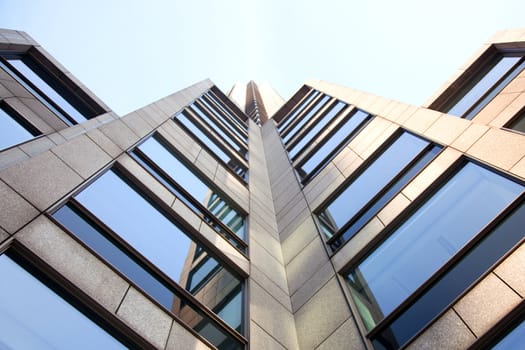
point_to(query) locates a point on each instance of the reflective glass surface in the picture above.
(291, 117)
(433, 234)
(211, 144)
(488, 83)
(232, 125)
(11, 131)
(319, 124)
(46, 89)
(32, 316)
(191, 184)
(217, 102)
(456, 280)
(518, 123)
(513, 340)
(212, 124)
(374, 178)
(143, 276)
(345, 131)
(306, 118)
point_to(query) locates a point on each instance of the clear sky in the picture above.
(132, 52)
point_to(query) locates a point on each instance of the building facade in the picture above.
(335, 220)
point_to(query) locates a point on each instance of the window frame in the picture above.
(139, 156)
(23, 122)
(73, 295)
(405, 215)
(149, 267)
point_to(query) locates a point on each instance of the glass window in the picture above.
(328, 147)
(434, 233)
(454, 282)
(142, 238)
(292, 131)
(212, 145)
(171, 298)
(518, 123)
(298, 110)
(233, 116)
(200, 197)
(513, 340)
(318, 125)
(50, 92)
(232, 125)
(213, 125)
(486, 85)
(32, 316)
(13, 129)
(375, 185)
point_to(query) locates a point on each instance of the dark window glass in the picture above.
(201, 273)
(13, 130)
(21, 67)
(518, 123)
(513, 340)
(344, 132)
(167, 295)
(442, 293)
(200, 197)
(293, 115)
(372, 180)
(32, 316)
(217, 102)
(232, 125)
(212, 145)
(434, 233)
(318, 125)
(488, 85)
(217, 128)
(304, 119)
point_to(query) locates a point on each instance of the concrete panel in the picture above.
(421, 120)
(269, 286)
(82, 155)
(500, 148)
(321, 315)
(146, 318)
(15, 211)
(296, 241)
(310, 287)
(272, 317)
(393, 208)
(119, 134)
(74, 262)
(469, 136)
(11, 156)
(448, 332)
(270, 266)
(104, 142)
(305, 265)
(37, 146)
(511, 270)
(484, 305)
(181, 339)
(259, 339)
(446, 129)
(42, 180)
(345, 337)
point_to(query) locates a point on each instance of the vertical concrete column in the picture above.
(322, 316)
(271, 318)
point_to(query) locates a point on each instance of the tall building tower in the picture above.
(335, 220)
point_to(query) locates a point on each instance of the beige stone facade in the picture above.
(295, 293)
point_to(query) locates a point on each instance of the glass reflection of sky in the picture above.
(12, 132)
(34, 317)
(137, 222)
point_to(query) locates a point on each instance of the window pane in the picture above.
(297, 111)
(32, 316)
(518, 123)
(212, 145)
(11, 132)
(319, 124)
(462, 274)
(514, 340)
(227, 111)
(345, 130)
(184, 177)
(304, 119)
(486, 82)
(50, 92)
(232, 125)
(434, 233)
(374, 178)
(143, 276)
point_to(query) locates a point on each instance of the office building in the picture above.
(337, 219)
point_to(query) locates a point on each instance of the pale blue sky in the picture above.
(132, 52)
